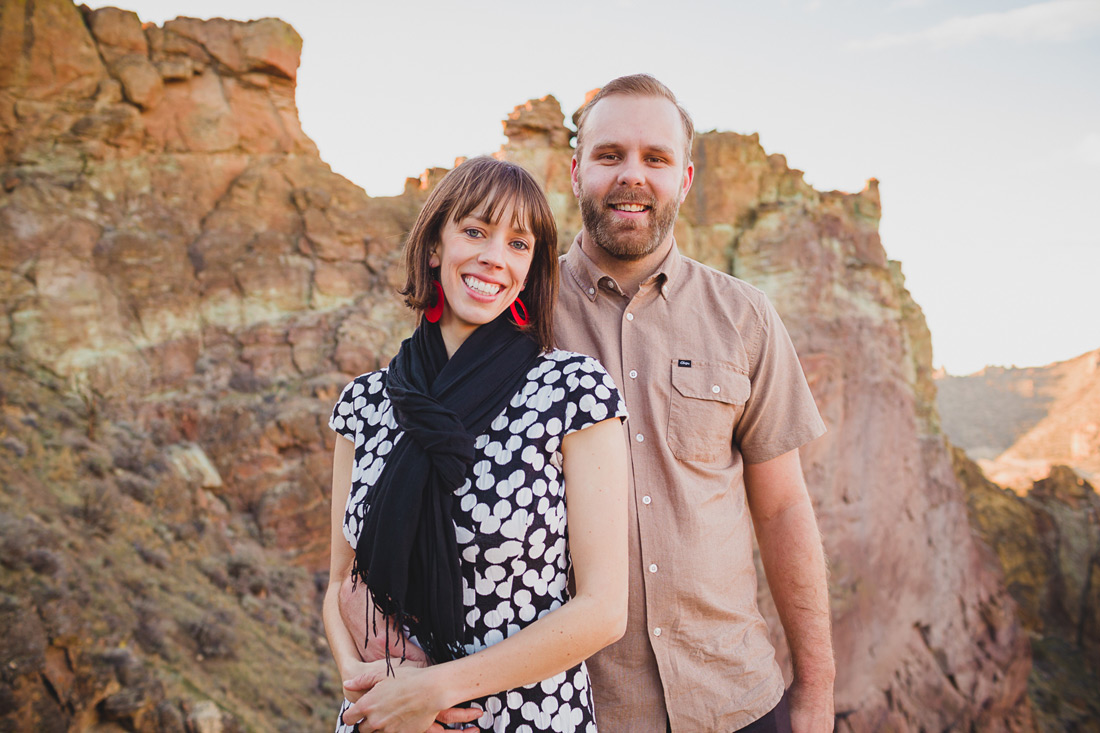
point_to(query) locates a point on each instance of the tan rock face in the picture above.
(179, 256)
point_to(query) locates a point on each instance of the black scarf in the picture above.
(407, 552)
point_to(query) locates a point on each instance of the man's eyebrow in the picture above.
(660, 150)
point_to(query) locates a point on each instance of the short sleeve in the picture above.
(358, 399)
(593, 396)
(780, 414)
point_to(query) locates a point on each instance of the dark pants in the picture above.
(777, 721)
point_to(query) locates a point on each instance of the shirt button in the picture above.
(716, 389)
(630, 316)
(653, 568)
(647, 500)
(633, 374)
(657, 631)
(592, 291)
(639, 437)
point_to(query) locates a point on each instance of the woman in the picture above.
(452, 477)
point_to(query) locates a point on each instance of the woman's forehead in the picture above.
(494, 206)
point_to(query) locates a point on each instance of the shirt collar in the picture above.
(590, 278)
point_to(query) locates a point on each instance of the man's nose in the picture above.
(631, 172)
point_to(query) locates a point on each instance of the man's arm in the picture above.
(790, 548)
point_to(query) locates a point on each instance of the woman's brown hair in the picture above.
(488, 186)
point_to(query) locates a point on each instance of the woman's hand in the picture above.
(407, 703)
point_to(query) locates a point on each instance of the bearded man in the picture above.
(718, 408)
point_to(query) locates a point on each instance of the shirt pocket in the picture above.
(708, 399)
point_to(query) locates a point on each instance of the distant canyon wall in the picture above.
(1019, 422)
(173, 245)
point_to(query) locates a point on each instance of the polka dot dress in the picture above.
(509, 519)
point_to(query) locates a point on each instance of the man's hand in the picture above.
(364, 675)
(370, 637)
(811, 709)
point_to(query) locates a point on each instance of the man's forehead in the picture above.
(614, 119)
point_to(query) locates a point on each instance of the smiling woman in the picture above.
(449, 520)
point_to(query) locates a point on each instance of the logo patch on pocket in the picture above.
(684, 363)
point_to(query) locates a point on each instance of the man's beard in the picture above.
(624, 239)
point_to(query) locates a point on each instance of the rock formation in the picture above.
(186, 286)
(1048, 542)
(1019, 422)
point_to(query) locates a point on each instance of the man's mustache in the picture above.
(630, 196)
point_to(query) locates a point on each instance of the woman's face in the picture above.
(483, 267)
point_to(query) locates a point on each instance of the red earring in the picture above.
(520, 321)
(434, 313)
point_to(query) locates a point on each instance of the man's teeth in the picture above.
(482, 287)
(629, 207)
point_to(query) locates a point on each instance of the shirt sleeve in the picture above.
(593, 395)
(780, 414)
(345, 418)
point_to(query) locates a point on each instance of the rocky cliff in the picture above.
(1048, 542)
(1019, 422)
(186, 286)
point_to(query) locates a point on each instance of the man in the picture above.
(718, 408)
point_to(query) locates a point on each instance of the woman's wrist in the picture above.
(438, 687)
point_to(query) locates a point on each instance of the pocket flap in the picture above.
(711, 381)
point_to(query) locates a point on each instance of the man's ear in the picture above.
(689, 176)
(574, 177)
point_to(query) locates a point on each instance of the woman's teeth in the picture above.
(481, 287)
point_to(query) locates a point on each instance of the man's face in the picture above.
(631, 176)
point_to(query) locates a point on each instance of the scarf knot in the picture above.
(439, 433)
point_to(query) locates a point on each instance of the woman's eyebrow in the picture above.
(480, 216)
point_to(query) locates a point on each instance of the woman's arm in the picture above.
(340, 559)
(595, 466)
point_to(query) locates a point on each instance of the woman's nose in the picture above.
(492, 254)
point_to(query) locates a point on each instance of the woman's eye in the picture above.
(520, 244)
(474, 233)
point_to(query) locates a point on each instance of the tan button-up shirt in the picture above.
(711, 381)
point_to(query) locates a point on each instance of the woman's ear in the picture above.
(433, 259)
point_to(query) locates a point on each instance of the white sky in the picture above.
(981, 119)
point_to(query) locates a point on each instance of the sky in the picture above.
(980, 118)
